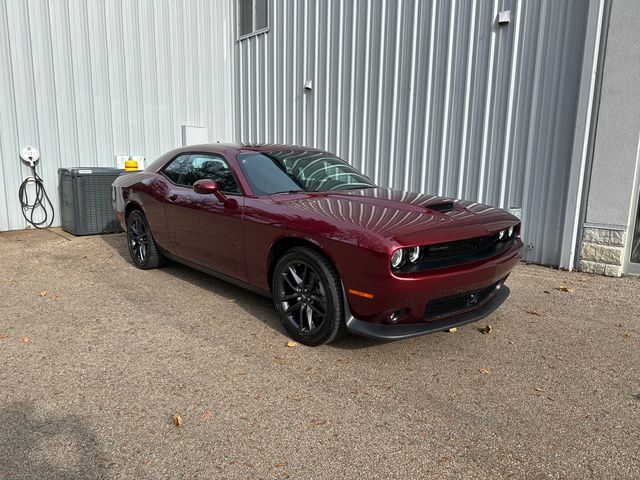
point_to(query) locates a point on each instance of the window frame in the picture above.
(239, 193)
(253, 32)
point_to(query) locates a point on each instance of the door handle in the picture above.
(173, 198)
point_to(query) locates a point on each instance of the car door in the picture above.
(205, 230)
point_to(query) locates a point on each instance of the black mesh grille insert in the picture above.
(460, 247)
(449, 305)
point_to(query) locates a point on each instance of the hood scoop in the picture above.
(442, 207)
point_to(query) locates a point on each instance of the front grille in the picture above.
(460, 247)
(442, 307)
(459, 252)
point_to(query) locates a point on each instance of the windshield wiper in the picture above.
(294, 191)
(353, 187)
(287, 191)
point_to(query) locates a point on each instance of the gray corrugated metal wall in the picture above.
(432, 96)
(84, 80)
(428, 96)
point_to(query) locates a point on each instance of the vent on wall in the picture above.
(192, 135)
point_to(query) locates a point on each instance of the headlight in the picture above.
(510, 232)
(414, 254)
(396, 258)
(500, 234)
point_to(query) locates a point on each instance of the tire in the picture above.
(142, 247)
(307, 293)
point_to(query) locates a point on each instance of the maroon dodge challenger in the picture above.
(335, 251)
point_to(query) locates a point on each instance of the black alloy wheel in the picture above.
(308, 296)
(142, 247)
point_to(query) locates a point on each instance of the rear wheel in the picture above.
(142, 248)
(308, 296)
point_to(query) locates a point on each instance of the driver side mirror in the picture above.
(206, 186)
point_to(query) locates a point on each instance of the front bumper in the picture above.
(414, 292)
(401, 331)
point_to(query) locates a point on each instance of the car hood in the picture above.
(405, 217)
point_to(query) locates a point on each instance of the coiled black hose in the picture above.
(38, 203)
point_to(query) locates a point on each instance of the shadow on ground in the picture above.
(256, 305)
(33, 446)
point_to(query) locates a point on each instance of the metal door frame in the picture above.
(629, 266)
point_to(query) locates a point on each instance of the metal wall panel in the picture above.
(85, 80)
(430, 96)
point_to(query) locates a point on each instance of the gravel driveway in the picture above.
(98, 357)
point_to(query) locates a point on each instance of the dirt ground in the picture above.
(97, 357)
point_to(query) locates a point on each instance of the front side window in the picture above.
(252, 17)
(274, 172)
(187, 169)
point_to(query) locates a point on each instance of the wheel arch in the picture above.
(285, 244)
(130, 207)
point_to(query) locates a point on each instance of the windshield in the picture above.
(311, 171)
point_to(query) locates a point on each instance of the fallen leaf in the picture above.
(177, 420)
(546, 291)
(452, 330)
(26, 340)
(565, 289)
(280, 465)
(487, 329)
(54, 296)
(318, 422)
(484, 371)
(207, 415)
(534, 312)
(386, 387)
(291, 343)
(539, 390)
(626, 335)
(42, 293)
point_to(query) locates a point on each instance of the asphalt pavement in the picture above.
(100, 361)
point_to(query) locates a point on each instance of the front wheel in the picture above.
(308, 296)
(142, 248)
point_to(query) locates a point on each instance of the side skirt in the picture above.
(221, 276)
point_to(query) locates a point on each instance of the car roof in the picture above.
(254, 147)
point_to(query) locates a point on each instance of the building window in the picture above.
(253, 17)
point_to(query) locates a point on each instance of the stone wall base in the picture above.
(602, 251)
